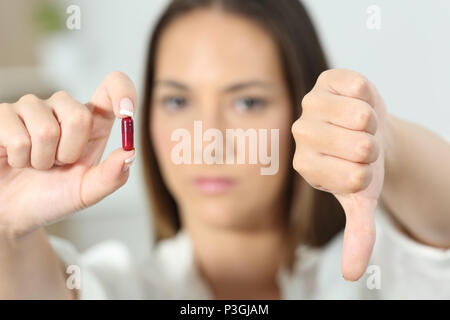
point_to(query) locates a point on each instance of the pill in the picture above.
(127, 134)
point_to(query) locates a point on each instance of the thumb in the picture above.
(108, 176)
(115, 97)
(359, 234)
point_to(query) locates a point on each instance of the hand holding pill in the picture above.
(50, 153)
(341, 140)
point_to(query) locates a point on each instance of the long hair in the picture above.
(313, 216)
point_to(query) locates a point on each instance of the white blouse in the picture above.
(400, 268)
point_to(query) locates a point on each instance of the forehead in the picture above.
(212, 45)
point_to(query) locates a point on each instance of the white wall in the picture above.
(407, 60)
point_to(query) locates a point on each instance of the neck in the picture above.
(239, 264)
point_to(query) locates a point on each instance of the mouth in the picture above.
(214, 185)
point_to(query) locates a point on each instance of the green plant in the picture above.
(48, 18)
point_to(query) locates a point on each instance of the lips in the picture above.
(214, 185)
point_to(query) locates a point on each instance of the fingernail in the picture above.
(131, 159)
(126, 107)
(128, 162)
(348, 280)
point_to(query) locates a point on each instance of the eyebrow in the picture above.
(171, 83)
(230, 88)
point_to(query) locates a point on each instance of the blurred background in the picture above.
(403, 49)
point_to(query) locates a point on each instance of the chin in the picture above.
(224, 214)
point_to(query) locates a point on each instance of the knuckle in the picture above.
(48, 133)
(364, 118)
(296, 128)
(81, 119)
(299, 130)
(60, 95)
(324, 75)
(359, 85)
(365, 148)
(20, 144)
(309, 100)
(29, 99)
(360, 179)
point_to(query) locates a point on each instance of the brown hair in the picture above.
(314, 216)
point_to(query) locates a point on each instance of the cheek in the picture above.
(175, 176)
(266, 188)
(160, 133)
(161, 137)
(283, 122)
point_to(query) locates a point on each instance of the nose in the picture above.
(211, 114)
(210, 118)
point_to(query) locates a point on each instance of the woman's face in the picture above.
(224, 71)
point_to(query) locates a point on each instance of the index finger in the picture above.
(116, 96)
(347, 83)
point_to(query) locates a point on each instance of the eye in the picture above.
(174, 103)
(249, 104)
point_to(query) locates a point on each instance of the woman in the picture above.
(226, 230)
